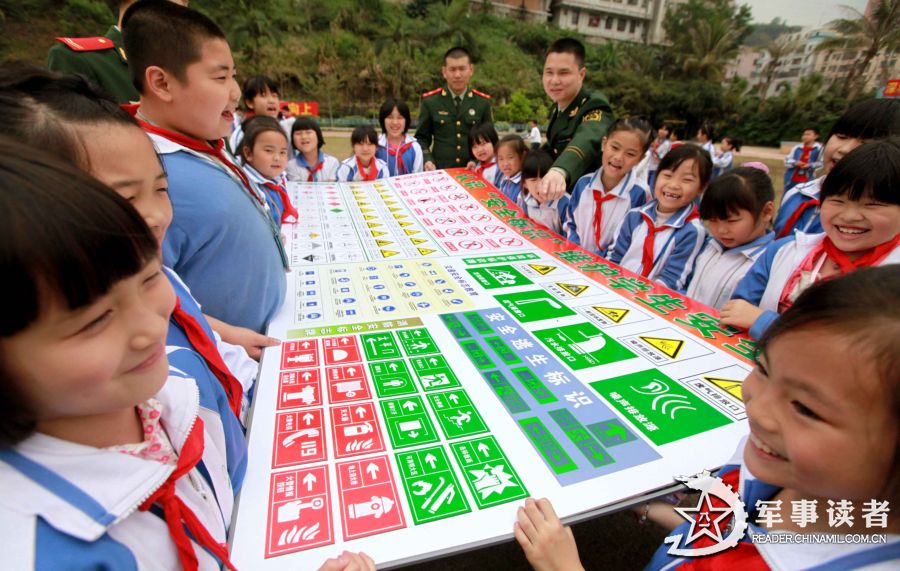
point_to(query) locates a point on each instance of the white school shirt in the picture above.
(348, 171)
(535, 136)
(709, 148)
(582, 208)
(549, 213)
(718, 270)
(298, 169)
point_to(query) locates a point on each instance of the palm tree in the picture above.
(714, 42)
(868, 36)
(777, 50)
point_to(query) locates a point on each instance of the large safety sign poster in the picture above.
(443, 358)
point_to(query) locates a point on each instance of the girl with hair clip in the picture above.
(310, 163)
(511, 151)
(737, 209)
(363, 165)
(861, 216)
(483, 141)
(601, 199)
(264, 154)
(869, 120)
(823, 406)
(396, 147)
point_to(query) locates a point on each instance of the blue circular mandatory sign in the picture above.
(447, 290)
(343, 280)
(349, 300)
(313, 315)
(409, 284)
(440, 281)
(383, 297)
(423, 304)
(456, 301)
(388, 308)
(416, 294)
(378, 286)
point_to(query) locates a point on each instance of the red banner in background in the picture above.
(300, 108)
(892, 89)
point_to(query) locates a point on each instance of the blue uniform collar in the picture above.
(677, 220)
(750, 248)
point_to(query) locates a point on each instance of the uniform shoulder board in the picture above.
(96, 44)
(432, 92)
(481, 93)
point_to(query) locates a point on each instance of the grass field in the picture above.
(337, 143)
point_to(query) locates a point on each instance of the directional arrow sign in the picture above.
(360, 411)
(483, 448)
(308, 418)
(431, 460)
(409, 405)
(372, 470)
(308, 480)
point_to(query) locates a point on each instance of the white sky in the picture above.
(801, 12)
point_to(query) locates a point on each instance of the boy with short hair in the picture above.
(222, 240)
(804, 159)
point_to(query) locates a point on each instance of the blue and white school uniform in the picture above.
(810, 556)
(273, 198)
(488, 171)
(510, 186)
(675, 244)
(804, 197)
(717, 270)
(237, 133)
(69, 506)
(764, 284)
(406, 159)
(579, 217)
(348, 170)
(722, 163)
(299, 169)
(550, 214)
(709, 147)
(815, 161)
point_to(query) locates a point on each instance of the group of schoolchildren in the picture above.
(143, 263)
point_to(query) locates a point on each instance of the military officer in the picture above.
(447, 113)
(578, 122)
(101, 59)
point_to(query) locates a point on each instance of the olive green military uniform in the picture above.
(574, 134)
(447, 125)
(101, 60)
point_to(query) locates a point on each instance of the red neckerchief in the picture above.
(178, 515)
(398, 152)
(311, 177)
(795, 215)
(800, 174)
(213, 149)
(827, 247)
(201, 343)
(647, 254)
(483, 167)
(871, 258)
(599, 199)
(289, 214)
(373, 170)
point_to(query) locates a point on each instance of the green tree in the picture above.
(706, 35)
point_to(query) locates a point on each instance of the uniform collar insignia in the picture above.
(574, 112)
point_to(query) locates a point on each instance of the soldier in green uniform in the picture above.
(579, 120)
(448, 113)
(101, 59)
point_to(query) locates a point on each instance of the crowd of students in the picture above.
(122, 403)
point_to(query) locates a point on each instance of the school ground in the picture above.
(337, 143)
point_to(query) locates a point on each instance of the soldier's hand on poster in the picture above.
(429, 166)
(553, 185)
(739, 313)
(548, 544)
(348, 561)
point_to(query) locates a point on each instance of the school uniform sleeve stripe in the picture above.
(680, 261)
(622, 242)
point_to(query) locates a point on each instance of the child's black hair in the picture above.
(165, 34)
(536, 164)
(253, 129)
(736, 143)
(813, 129)
(667, 126)
(63, 235)
(483, 132)
(388, 107)
(635, 125)
(864, 309)
(568, 46)
(363, 134)
(687, 152)
(307, 124)
(517, 143)
(742, 188)
(870, 170)
(40, 107)
(258, 85)
(869, 119)
(707, 130)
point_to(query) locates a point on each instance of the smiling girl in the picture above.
(363, 165)
(310, 163)
(396, 147)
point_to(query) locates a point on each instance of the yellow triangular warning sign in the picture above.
(376, 233)
(394, 209)
(390, 202)
(731, 386)
(366, 210)
(543, 270)
(617, 314)
(369, 217)
(410, 232)
(416, 241)
(425, 251)
(668, 347)
(383, 242)
(573, 289)
(400, 216)
(373, 224)
(404, 224)
(388, 253)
